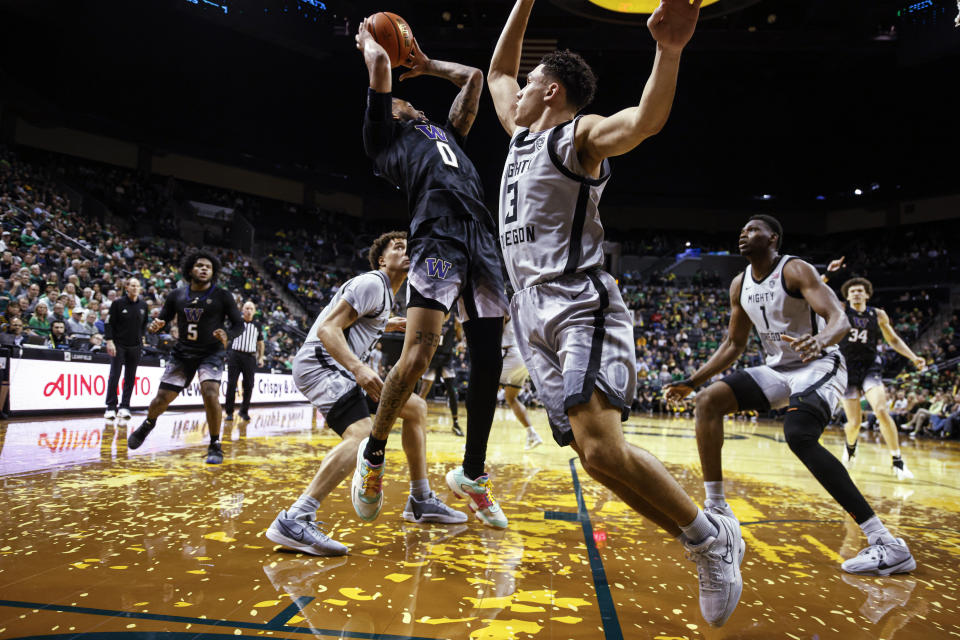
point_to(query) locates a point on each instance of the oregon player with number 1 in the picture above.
(453, 259)
(200, 308)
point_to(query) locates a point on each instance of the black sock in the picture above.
(149, 423)
(451, 387)
(486, 360)
(375, 451)
(214, 439)
(851, 450)
(898, 462)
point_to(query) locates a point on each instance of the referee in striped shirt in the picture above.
(240, 359)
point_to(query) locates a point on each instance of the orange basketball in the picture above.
(393, 34)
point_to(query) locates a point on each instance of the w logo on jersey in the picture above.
(193, 313)
(437, 268)
(432, 132)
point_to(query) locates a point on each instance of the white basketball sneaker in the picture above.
(882, 559)
(718, 561)
(902, 473)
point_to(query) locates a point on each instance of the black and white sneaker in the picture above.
(214, 453)
(431, 509)
(303, 534)
(882, 559)
(135, 439)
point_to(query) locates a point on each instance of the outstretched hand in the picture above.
(836, 265)
(364, 36)
(673, 22)
(417, 61)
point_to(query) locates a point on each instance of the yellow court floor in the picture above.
(99, 542)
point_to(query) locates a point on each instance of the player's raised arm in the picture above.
(376, 59)
(505, 65)
(800, 276)
(672, 25)
(463, 111)
(896, 342)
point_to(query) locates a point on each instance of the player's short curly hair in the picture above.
(573, 72)
(381, 244)
(853, 282)
(186, 269)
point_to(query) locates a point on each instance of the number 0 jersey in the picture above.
(860, 347)
(425, 161)
(775, 311)
(549, 222)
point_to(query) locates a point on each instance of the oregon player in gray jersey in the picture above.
(573, 329)
(784, 299)
(329, 370)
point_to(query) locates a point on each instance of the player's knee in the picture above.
(412, 365)
(709, 403)
(415, 409)
(804, 422)
(598, 457)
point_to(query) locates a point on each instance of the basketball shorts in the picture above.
(330, 389)
(819, 384)
(181, 368)
(445, 372)
(455, 260)
(862, 378)
(576, 335)
(514, 372)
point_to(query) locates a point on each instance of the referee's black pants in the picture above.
(237, 362)
(128, 357)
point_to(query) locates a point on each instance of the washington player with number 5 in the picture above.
(453, 259)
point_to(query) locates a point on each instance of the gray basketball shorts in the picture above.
(456, 260)
(332, 390)
(180, 370)
(764, 388)
(514, 372)
(576, 335)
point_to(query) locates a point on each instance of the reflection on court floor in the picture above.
(101, 542)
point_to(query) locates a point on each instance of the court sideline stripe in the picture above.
(608, 612)
(259, 626)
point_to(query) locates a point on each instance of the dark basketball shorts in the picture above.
(180, 370)
(862, 378)
(455, 260)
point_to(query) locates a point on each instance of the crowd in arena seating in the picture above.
(59, 272)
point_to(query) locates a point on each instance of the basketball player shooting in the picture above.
(453, 259)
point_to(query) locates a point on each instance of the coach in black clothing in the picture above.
(124, 331)
(240, 359)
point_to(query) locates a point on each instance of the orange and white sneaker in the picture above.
(479, 492)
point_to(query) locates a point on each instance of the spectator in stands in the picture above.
(94, 345)
(58, 336)
(101, 321)
(75, 323)
(4, 240)
(32, 296)
(922, 416)
(29, 237)
(13, 333)
(39, 324)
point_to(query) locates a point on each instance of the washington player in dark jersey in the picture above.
(868, 326)
(454, 258)
(200, 310)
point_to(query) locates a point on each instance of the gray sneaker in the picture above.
(882, 559)
(719, 508)
(718, 569)
(431, 509)
(302, 534)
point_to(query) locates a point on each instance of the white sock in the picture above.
(700, 529)
(714, 491)
(531, 432)
(875, 531)
(420, 489)
(305, 505)
(896, 454)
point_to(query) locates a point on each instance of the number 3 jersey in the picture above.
(776, 311)
(549, 222)
(859, 348)
(425, 161)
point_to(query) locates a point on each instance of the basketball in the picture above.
(393, 34)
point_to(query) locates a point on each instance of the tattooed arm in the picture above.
(463, 111)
